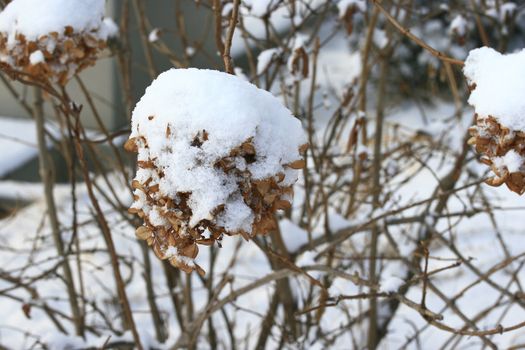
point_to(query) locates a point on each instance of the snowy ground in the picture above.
(27, 248)
(483, 241)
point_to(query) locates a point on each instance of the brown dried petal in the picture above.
(131, 145)
(298, 164)
(143, 232)
(282, 204)
(263, 186)
(248, 148)
(190, 251)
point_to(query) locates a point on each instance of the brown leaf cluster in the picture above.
(491, 139)
(264, 197)
(64, 55)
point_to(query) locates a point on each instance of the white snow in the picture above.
(190, 51)
(60, 341)
(265, 58)
(261, 7)
(239, 72)
(172, 252)
(500, 85)
(508, 9)
(23, 191)
(295, 236)
(475, 237)
(459, 26)
(109, 28)
(344, 5)
(512, 160)
(34, 18)
(299, 41)
(391, 284)
(36, 57)
(505, 11)
(337, 222)
(227, 9)
(307, 258)
(231, 111)
(154, 35)
(380, 38)
(280, 19)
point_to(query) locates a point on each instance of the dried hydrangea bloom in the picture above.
(53, 40)
(498, 98)
(216, 156)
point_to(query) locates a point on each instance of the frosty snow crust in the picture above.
(52, 40)
(216, 155)
(498, 83)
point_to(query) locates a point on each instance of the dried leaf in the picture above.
(248, 148)
(298, 164)
(26, 308)
(131, 145)
(282, 204)
(143, 232)
(190, 251)
(263, 187)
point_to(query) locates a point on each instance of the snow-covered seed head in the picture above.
(216, 156)
(53, 40)
(497, 85)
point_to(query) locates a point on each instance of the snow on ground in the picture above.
(15, 190)
(32, 243)
(475, 237)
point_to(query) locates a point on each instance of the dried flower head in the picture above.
(503, 150)
(53, 40)
(216, 156)
(497, 87)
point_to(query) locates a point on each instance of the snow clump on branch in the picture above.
(216, 156)
(52, 40)
(498, 97)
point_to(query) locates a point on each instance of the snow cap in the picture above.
(500, 85)
(34, 18)
(216, 155)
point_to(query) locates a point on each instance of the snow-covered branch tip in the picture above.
(54, 47)
(497, 96)
(216, 156)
